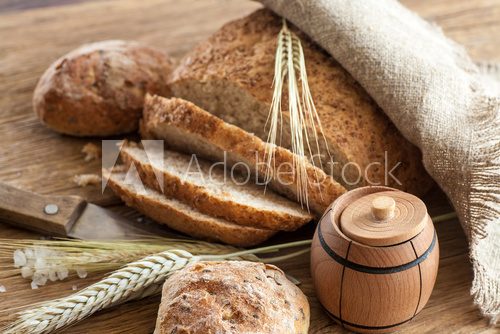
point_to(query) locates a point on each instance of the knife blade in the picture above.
(111, 225)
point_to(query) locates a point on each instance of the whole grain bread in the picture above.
(179, 216)
(211, 190)
(188, 128)
(98, 89)
(231, 76)
(232, 297)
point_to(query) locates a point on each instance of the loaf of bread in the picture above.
(214, 190)
(179, 216)
(234, 297)
(186, 127)
(98, 89)
(231, 76)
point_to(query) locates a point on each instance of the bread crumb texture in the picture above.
(84, 180)
(211, 190)
(91, 152)
(180, 216)
(186, 127)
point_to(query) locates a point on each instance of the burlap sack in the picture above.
(436, 97)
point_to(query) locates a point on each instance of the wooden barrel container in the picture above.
(374, 259)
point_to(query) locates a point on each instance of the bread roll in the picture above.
(231, 75)
(98, 89)
(232, 297)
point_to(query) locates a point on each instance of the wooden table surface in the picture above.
(35, 158)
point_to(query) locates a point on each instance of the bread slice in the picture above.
(188, 128)
(182, 217)
(231, 76)
(210, 190)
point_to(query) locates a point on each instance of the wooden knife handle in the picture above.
(46, 214)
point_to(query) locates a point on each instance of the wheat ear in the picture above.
(136, 280)
(305, 125)
(43, 261)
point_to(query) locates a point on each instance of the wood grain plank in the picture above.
(37, 159)
(474, 24)
(17, 5)
(450, 299)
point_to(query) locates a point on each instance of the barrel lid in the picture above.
(384, 218)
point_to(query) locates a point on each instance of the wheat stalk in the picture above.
(119, 286)
(136, 280)
(290, 66)
(89, 256)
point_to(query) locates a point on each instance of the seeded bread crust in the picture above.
(231, 76)
(188, 128)
(183, 218)
(217, 204)
(232, 297)
(98, 89)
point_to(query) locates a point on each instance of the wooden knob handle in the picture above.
(383, 218)
(383, 208)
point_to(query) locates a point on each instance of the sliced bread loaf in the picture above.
(231, 76)
(213, 191)
(188, 128)
(182, 217)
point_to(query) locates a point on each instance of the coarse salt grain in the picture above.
(29, 253)
(40, 263)
(26, 272)
(39, 278)
(82, 273)
(2, 288)
(19, 258)
(74, 288)
(62, 272)
(34, 286)
(43, 272)
(52, 274)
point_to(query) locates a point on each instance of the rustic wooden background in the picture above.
(33, 157)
